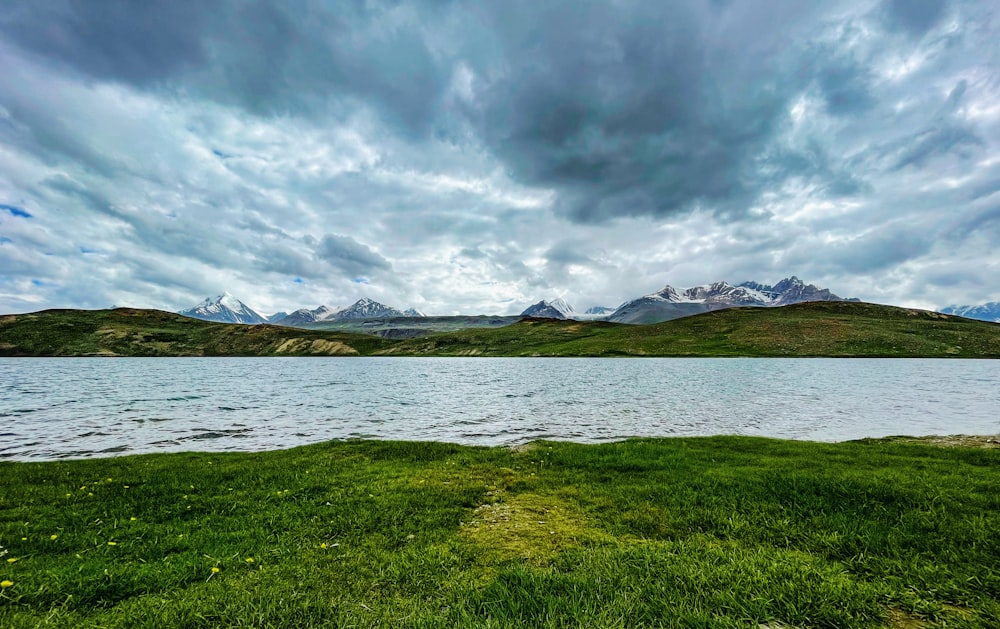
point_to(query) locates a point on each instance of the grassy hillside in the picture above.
(131, 332)
(720, 532)
(811, 329)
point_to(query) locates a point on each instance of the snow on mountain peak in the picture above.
(550, 308)
(224, 308)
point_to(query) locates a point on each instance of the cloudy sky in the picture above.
(467, 157)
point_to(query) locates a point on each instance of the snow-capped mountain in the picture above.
(599, 310)
(550, 308)
(225, 309)
(669, 303)
(792, 290)
(365, 308)
(984, 312)
(305, 315)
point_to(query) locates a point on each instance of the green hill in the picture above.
(132, 332)
(808, 329)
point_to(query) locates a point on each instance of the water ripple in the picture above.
(69, 408)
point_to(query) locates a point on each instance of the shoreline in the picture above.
(986, 441)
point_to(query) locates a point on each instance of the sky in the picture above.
(476, 157)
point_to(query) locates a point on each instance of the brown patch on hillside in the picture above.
(319, 347)
(949, 441)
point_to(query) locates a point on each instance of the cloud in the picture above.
(915, 16)
(350, 257)
(266, 57)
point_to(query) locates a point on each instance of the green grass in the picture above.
(810, 329)
(707, 532)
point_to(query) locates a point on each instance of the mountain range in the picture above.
(671, 303)
(668, 303)
(228, 309)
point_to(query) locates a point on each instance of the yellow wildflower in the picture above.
(24, 539)
(112, 543)
(6, 584)
(216, 569)
(323, 545)
(12, 560)
(249, 560)
(53, 536)
(131, 519)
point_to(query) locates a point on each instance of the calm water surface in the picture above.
(81, 407)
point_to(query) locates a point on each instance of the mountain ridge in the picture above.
(989, 311)
(671, 303)
(227, 309)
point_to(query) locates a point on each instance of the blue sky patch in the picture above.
(15, 211)
(360, 280)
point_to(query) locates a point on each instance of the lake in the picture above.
(84, 407)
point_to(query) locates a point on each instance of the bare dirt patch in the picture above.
(531, 527)
(317, 347)
(952, 441)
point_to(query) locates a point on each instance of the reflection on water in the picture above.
(81, 407)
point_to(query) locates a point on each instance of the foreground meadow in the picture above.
(704, 532)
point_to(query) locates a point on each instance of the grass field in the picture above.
(809, 329)
(705, 532)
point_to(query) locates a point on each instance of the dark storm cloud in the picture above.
(944, 134)
(652, 108)
(566, 252)
(627, 109)
(915, 16)
(846, 85)
(350, 256)
(136, 42)
(268, 57)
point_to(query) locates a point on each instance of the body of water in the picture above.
(81, 407)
